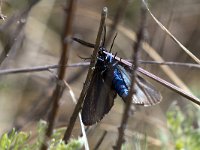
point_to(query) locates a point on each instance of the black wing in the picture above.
(146, 94)
(99, 99)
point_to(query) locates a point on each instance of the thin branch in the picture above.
(61, 73)
(88, 79)
(40, 68)
(100, 140)
(80, 118)
(86, 64)
(163, 82)
(132, 92)
(172, 36)
(173, 64)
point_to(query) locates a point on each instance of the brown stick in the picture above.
(61, 73)
(88, 79)
(132, 91)
(85, 64)
(100, 140)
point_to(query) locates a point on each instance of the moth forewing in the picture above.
(99, 98)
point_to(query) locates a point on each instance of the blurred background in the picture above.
(31, 36)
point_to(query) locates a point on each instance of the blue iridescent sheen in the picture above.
(119, 83)
(118, 80)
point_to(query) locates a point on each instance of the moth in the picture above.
(112, 77)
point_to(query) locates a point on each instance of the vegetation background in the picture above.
(30, 36)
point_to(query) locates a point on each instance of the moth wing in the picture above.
(146, 94)
(98, 100)
(147, 91)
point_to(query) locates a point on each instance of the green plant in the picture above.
(21, 140)
(185, 135)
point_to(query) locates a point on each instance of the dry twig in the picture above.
(61, 73)
(137, 45)
(100, 140)
(86, 64)
(88, 79)
(173, 64)
(80, 118)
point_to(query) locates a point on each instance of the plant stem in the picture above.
(88, 79)
(61, 73)
(132, 91)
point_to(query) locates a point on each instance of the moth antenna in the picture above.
(113, 42)
(83, 42)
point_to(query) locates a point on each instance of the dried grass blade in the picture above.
(171, 35)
